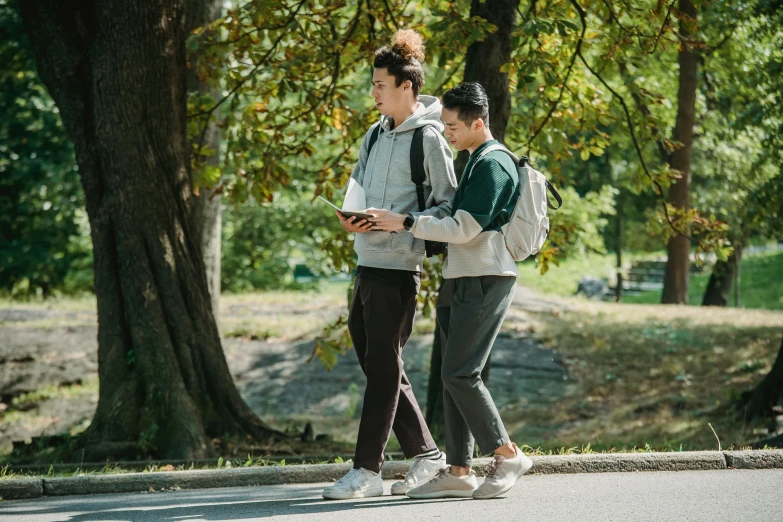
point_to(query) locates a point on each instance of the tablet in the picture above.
(348, 213)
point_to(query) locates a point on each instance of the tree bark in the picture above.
(719, 286)
(434, 413)
(207, 211)
(618, 231)
(675, 285)
(116, 71)
(760, 402)
(482, 64)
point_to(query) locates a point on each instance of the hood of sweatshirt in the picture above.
(427, 113)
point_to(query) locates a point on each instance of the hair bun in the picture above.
(408, 43)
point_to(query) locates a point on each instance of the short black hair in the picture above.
(470, 101)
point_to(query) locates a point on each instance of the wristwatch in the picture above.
(408, 223)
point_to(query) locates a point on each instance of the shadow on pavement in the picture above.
(239, 505)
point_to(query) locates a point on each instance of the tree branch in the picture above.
(663, 27)
(239, 84)
(656, 185)
(391, 15)
(565, 80)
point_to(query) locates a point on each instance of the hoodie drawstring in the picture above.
(388, 167)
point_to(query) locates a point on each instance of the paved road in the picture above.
(731, 496)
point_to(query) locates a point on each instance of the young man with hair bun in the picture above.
(389, 267)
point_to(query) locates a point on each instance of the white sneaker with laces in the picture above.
(446, 485)
(357, 483)
(421, 471)
(502, 474)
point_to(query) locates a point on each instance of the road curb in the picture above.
(757, 459)
(21, 488)
(313, 473)
(627, 462)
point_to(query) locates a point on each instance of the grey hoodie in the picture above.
(385, 175)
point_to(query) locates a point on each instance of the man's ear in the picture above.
(407, 84)
(478, 124)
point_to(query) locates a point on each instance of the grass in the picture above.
(283, 315)
(641, 377)
(563, 279)
(70, 312)
(7, 472)
(648, 375)
(51, 391)
(761, 284)
(761, 279)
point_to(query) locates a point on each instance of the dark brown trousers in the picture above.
(380, 323)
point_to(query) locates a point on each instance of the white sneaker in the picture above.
(502, 474)
(357, 483)
(446, 485)
(421, 471)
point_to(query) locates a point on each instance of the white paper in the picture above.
(355, 200)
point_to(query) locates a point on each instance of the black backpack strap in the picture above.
(552, 190)
(373, 138)
(418, 175)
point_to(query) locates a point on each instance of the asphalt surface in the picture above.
(731, 495)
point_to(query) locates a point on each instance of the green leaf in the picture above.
(571, 25)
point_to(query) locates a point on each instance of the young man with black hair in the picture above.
(479, 282)
(388, 275)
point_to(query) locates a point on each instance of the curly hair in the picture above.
(403, 59)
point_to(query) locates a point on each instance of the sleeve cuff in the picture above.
(415, 223)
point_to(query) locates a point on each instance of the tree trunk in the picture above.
(116, 71)
(678, 263)
(618, 231)
(769, 393)
(721, 279)
(482, 64)
(434, 414)
(207, 211)
(208, 225)
(484, 60)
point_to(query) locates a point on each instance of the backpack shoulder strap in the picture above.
(373, 138)
(418, 175)
(493, 148)
(525, 162)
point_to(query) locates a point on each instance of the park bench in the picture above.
(645, 276)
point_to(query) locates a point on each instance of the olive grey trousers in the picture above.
(470, 312)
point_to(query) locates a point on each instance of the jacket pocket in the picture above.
(404, 241)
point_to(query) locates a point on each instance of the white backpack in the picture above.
(528, 227)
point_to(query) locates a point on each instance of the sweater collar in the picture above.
(482, 147)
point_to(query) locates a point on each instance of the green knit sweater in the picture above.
(483, 204)
(491, 191)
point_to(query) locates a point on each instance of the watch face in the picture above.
(408, 223)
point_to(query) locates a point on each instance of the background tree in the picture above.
(764, 401)
(734, 153)
(165, 387)
(767, 213)
(205, 155)
(41, 251)
(678, 261)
